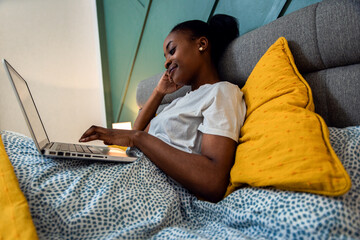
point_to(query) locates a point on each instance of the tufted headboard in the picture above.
(325, 41)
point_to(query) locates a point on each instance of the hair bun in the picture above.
(224, 29)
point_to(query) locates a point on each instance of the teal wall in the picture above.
(132, 34)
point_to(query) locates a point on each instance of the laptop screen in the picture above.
(28, 107)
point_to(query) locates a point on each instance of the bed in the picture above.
(317, 50)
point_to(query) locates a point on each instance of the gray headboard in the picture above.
(325, 41)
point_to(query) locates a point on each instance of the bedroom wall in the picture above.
(55, 47)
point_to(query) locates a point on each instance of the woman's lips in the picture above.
(171, 70)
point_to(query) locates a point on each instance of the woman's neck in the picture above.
(207, 75)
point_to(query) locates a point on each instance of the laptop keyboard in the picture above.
(75, 148)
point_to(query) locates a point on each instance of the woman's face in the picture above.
(182, 57)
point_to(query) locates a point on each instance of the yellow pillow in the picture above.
(15, 218)
(283, 143)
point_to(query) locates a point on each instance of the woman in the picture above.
(195, 137)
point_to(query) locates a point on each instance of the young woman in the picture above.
(195, 137)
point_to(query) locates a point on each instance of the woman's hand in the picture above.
(109, 136)
(166, 85)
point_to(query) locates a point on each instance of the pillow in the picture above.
(15, 218)
(283, 143)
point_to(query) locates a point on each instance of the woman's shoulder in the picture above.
(226, 84)
(227, 88)
(222, 88)
(219, 85)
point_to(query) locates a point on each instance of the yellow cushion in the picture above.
(283, 143)
(15, 218)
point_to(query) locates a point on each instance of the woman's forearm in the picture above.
(202, 175)
(148, 111)
(165, 86)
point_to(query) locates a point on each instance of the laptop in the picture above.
(57, 149)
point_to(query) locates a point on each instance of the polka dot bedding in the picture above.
(77, 199)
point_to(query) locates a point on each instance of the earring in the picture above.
(201, 49)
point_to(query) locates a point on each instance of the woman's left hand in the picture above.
(109, 136)
(166, 85)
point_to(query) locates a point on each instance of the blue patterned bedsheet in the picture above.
(75, 199)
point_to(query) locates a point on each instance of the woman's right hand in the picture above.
(166, 85)
(109, 136)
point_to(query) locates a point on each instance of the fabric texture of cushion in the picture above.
(15, 218)
(283, 143)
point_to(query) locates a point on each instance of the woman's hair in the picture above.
(220, 31)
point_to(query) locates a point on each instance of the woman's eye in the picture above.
(172, 51)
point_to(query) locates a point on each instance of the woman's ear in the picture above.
(203, 43)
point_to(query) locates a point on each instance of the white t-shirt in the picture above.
(217, 109)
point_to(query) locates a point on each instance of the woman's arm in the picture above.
(165, 86)
(148, 111)
(205, 175)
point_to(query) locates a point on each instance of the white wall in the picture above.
(54, 45)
